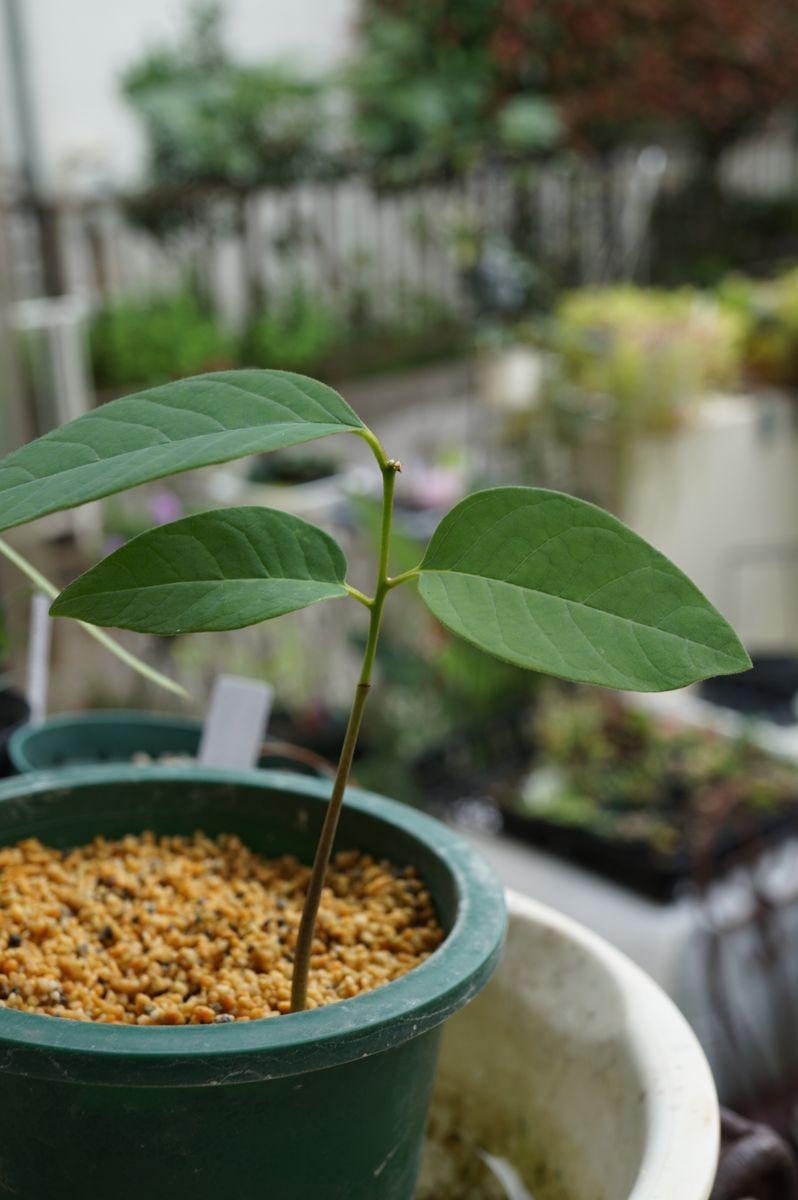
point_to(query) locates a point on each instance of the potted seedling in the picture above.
(317, 1100)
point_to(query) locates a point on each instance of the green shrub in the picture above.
(151, 340)
(769, 310)
(209, 119)
(650, 353)
(301, 332)
(294, 333)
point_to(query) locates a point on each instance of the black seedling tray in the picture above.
(768, 690)
(636, 864)
(485, 762)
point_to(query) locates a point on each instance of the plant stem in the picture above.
(373, 441)
(99, 635)
(310, 911)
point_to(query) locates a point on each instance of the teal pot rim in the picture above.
(18, 743)
(273, 1047)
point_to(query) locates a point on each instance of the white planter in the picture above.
(718, 495)
(509, 380)
(576, 1068)
(720, 498)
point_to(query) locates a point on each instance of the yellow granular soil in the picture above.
(186, 930)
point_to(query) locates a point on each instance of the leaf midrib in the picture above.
(184, 583)
(116, 459)
(14, 497)
(581, 605)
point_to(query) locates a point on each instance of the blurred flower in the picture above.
(164, 506)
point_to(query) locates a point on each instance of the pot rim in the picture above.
(144, 718)
(247, 1051)
(682, 1117)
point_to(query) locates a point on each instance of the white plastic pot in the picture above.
(509, 380)
(576, 1069)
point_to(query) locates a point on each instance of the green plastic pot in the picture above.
(329, 1103)
(103, 736)
(108, 736)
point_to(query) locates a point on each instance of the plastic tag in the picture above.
(507, 1176)
(39, 657)
(236, 722)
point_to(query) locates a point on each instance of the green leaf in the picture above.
(217, 570)
(125, 656)
(557, 585)
(190, 423)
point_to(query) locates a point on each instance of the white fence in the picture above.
(347, 240)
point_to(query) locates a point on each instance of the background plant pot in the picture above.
(263, 1110)
(632, 864)
(643, 800)
(108, 735)
(769, 690)
(510, 379)
(637, 865)
(115, 736)
(575, 1067)
(313, 500)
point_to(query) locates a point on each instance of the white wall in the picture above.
(78, 48)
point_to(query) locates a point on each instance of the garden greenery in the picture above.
(443, 79)
(652, 353)
(768, 310)
(208, 119)
(152, 339)
(141, 341)
(535, 577)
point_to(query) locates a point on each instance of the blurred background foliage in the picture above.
(442, 84)
(432, 95)
(210, 120)
(518, 147)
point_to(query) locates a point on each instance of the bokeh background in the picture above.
(539, 241)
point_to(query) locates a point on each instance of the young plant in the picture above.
(535, 577)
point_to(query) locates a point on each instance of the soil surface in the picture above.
(187, 930)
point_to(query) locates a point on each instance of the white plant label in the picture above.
(39, 657)
(236, 723)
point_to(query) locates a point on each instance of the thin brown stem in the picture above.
(307, 927)
(321, 861)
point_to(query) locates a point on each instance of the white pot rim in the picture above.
(682, 1116)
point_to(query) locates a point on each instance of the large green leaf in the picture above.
(191, 423)
(216, 570)
(557, 585)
